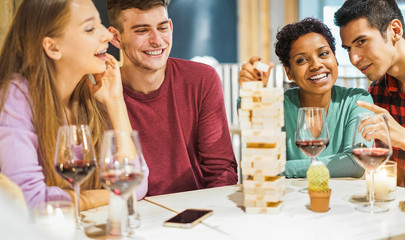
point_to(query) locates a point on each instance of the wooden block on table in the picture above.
(245, 125)
(249, 203)
(248, 105)
(264, 151)
(272, 95)
(244, 113)
(271, 194)
(252, 85)
(262, 132)
(266, 195)
(262, 159)
(269, 199)
(272, 183)
(273, 208)
(267, 172)
(267, 112)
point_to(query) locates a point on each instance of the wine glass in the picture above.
(75, 160)
(311, 135)
(122, 167)
(371, 154)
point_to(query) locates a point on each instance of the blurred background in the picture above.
(228, 33)
(231, 31)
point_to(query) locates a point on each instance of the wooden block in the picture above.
(254, 210)
(262, 151)
(249, 203)
(266, 139)
(244, 119)
(266, 164)
(266, 203)
(252, 85)
(249, 105)
(267, 172)
(273, 208)
(244, 113)
(270, 160)
(264, 132)
(277, 182)
(269, 112)
(261, 193)
(245, 164)
(261, 66)
(275, 95)
(245, 125)
(270, 195)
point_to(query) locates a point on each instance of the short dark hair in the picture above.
(115, 7)
(379, 13)
(291, 32)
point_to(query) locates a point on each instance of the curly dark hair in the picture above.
(291, 32)
(379, 13)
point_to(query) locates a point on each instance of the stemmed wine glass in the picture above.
(311, 135)
(371, 154)
(122, 167)
(75, 159)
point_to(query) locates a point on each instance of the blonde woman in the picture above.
(50, 49)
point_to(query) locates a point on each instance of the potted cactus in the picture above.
(318, 189)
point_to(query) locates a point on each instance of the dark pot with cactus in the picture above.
(318, 189)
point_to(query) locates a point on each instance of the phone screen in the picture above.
(188, 217)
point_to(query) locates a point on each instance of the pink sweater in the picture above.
(19, 159)
(183, 130)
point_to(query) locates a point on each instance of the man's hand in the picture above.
(397, 132)
(250, 73)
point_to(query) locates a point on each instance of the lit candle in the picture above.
(385, 182)
(56, 219)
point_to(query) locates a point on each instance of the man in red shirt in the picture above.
(176, 105)
(372, 33)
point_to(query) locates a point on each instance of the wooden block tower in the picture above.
(261, 118)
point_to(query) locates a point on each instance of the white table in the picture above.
(152, 218)
(295, 221)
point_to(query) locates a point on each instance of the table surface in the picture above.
(295, 221)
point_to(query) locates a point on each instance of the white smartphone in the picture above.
(188, 218)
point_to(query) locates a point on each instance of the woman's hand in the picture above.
(250, 73)
(108, 85)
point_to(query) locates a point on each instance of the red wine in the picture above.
(370, 158)
(312, 148)
(121, 184)
(75, 172)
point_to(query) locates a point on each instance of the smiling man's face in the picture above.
(368, 51)
(147, 37)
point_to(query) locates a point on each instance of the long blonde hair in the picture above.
(22, 53)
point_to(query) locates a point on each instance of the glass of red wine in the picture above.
(311, 135)
(122, 167)
(75, 160)
(371, 148)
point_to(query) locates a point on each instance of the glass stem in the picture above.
(124, 217)
(371, 190)
(76, 187)
(313, 159)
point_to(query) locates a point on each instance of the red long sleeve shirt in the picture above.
(183, 130)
